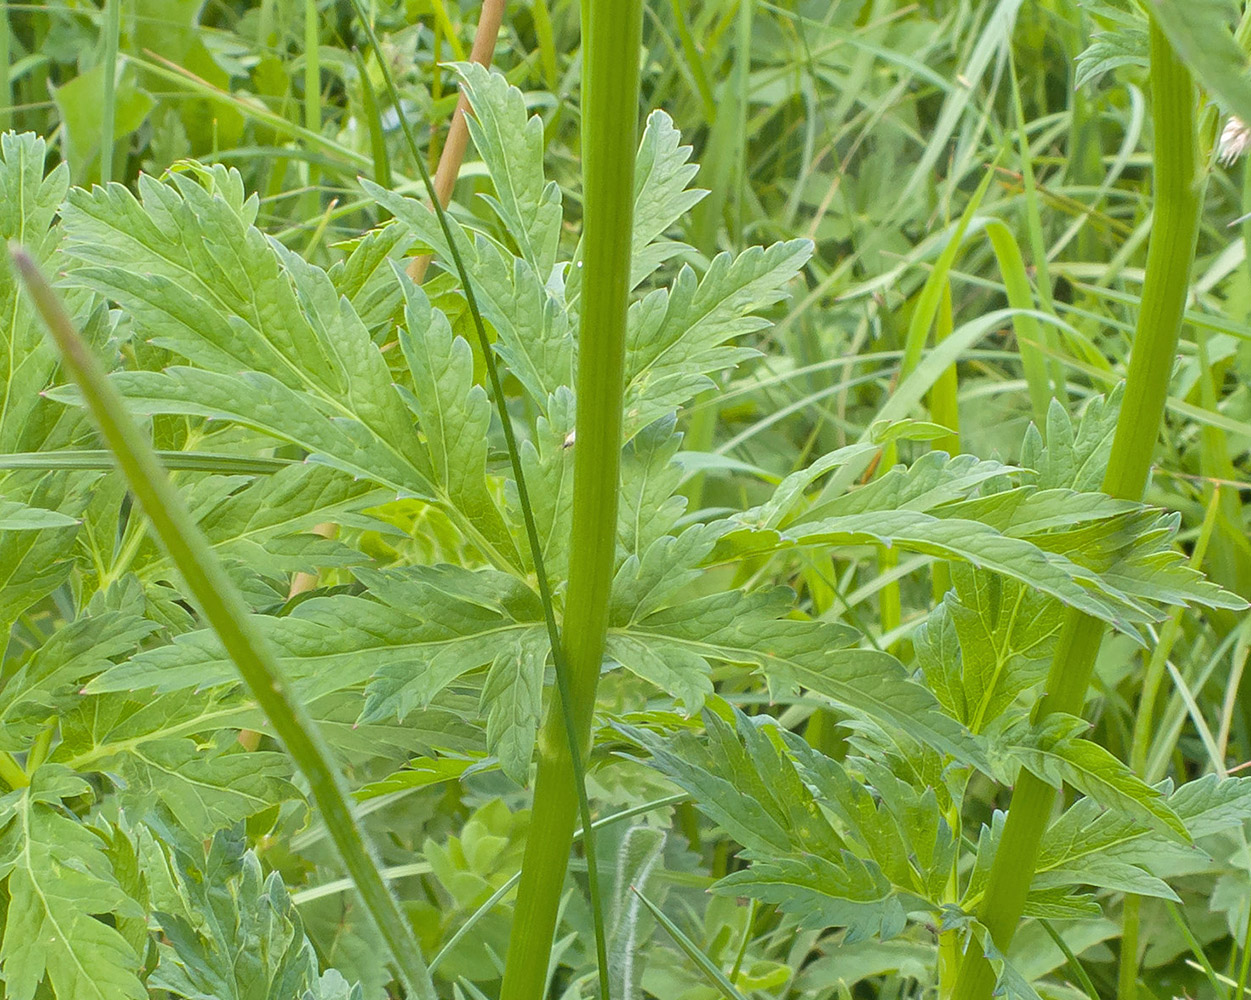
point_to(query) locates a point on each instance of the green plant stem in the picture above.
(11, 772)
(6, 88)
(108, 63)
(1178, 201)
(224, 609)
(312, 100)
(612, 36)
(562, 705)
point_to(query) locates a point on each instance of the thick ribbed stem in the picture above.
(612, 35)
(1178, 201)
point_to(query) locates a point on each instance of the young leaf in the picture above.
(241, 936)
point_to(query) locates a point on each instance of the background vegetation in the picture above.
(984, 175)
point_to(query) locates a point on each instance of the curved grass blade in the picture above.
(223, 607)
(716, 978)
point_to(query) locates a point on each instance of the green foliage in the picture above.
(233, 932)
(850, 776)
(53, 926)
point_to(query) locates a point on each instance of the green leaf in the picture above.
(662, 172)
(266, 525)
(453, 413)
(308, 371)
(1200, 32)
(48, 681)
(1124, 45)
(1057, 753)
(930, 508)
(989, 640)
(53, 927)
(511, 145)
(512, 698)
(205, 787)
(743, 779)
(241, 937)
(29, 201)
(751, 630)
(823, 892)
(678, 337)
(1087, 835)
(80, 103)
(35, 563)
(17, 516)
(649, 505)
(367, 280)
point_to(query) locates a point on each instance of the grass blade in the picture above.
(224, 609)
(716, 978)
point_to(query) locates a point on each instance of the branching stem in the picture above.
(1177, 204)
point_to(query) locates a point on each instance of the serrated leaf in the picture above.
(988, 641)
(676, 338)
(662, 172)
(511, 145)
(822, 892)
(17, 516)
(1126, 45)
(749, 629)
(512, 698)
(247, 941)
(309, 372)
(1075, 454)
(1056, 753)
(53, 927)
(205, 787)
(29, 201)
(367, 280)
(463, 619)
(453, 412)
(648, 502)
(49, 679)
(267, 524)
(1085, 833)
(34, 563)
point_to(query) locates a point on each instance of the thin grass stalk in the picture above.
(108, 65)
(453, 154)
(6, 88)
(373, 120)
(312, 100)
(450, 161)
(945, 410)
(1178, 202)
(1144, 734)
(612, 36)
(223, 607)
(1038, 249)
(562, 704)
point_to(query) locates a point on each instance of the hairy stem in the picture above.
(610, 86)
(227, 614)
(1178, 201)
